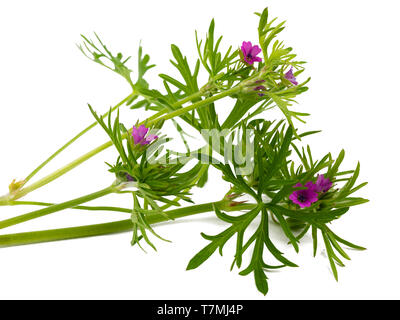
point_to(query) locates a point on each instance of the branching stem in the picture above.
(162, 115)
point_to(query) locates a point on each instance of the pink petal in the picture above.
(143, 130)
(151, 137)
(310, 185)
(246, 47)
(304, 204)
(255, 50)
(139, 133)
(293, 196)
(250, 62)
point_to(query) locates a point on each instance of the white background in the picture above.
(352, 49)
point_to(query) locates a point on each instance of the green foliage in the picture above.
(156, 176)
(280, 161)
(100, 54)
(143, 67)
(270, 185)
(213, 60)
(277, 57)
(264, 161)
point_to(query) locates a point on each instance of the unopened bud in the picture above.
(16, 185)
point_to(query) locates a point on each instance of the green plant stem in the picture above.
(57, 207)
(110, 227)
(61, 171)
(94, 208)
(58, 173)
(89, 208)
(34, 172)
(176, 104)
(196, 105)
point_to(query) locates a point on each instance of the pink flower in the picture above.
(250, 52)
(322, 184)
(139, 135)
(289, 76)
(305, 197)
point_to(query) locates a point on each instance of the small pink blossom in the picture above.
(250, 52)
(322, 184)
(139, 135)
(290, 76)
(305, 197)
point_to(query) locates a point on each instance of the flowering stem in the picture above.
(58, 173)
(111, 227)
(61, 171)
(34, 172)
(58, 207)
